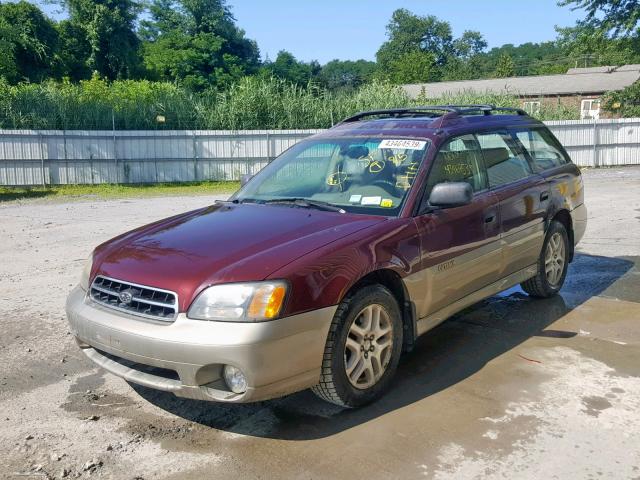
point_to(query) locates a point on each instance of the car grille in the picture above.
(135, 299)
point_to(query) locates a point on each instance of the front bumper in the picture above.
(186, 357)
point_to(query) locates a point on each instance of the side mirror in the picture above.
(244, 179)
(451, 194)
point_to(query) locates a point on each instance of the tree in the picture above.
(589, 45)
(625, 103)
(28, 43)
(107, 27)
(410, 33)
(428, 41)
(615, 16)
(529, 59)
(412, 67)
(287, 67)
(9, 40)
(346, 75)
(505, 67)
(470, 44)
(196, 43)
(466, 62)
(73, 48)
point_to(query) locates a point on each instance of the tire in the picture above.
(351, 344)
(551, 274)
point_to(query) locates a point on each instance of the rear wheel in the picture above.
(552, 264)
(362, 349)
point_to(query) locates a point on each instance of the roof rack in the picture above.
(431, 111)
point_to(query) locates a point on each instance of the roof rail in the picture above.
(449, 112)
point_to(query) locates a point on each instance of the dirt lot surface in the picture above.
(511, 388)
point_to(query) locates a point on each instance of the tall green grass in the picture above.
(252, 103)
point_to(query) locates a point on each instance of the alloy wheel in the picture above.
(369, 346)
(554, 259)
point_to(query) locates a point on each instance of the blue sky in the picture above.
(353, 29)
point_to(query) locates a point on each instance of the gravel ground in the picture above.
(510, 388)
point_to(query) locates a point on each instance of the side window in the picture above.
(458, 160)
(503, 162)
(543, 148)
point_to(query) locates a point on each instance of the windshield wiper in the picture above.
(306, 203)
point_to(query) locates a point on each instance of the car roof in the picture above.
(427, 122)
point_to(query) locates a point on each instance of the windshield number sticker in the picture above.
(371, 201)
(403, 143)
(386, 203)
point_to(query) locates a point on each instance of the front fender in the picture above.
(322, 278)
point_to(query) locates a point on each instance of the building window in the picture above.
(590, 109)
(532, 108)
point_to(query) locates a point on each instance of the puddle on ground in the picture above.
(595, 405)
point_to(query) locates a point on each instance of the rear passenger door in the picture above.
(522, 195)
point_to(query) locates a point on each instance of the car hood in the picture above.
(222, 243)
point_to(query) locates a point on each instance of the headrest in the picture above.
(494, 156)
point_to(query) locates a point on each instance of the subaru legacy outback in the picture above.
(329, 263)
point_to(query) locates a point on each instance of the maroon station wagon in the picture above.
(329, 263)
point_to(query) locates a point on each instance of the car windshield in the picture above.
(359, 175)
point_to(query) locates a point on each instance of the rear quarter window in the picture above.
(543, 148)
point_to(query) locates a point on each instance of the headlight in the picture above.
(86, 273)
(240, 302)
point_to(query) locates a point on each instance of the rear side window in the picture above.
(458, 160)
(503, 162)
(543, 148)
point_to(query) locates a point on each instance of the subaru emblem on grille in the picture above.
(125, 297)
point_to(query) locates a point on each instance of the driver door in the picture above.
(460, 246)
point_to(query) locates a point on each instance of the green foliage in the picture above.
(252, 103)
(107, 28)
(625, 103)
(470, 44)
(28, 41)
(9, 39)
(94, 104)
(73, 48)
(286, 67)
(202, 72)
(505, 67)
(460, 58)
(258, 103)
(585, 41)
(412, 67)
(196, 43)
(529, 59)
(410, 34)
(346, 74)
(616, 16)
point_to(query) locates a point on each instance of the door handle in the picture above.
(489, 218)
(544, 196)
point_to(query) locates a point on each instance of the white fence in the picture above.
(55, 157)
(600, 143)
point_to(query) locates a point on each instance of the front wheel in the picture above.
(552, 264)
(363, 348)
